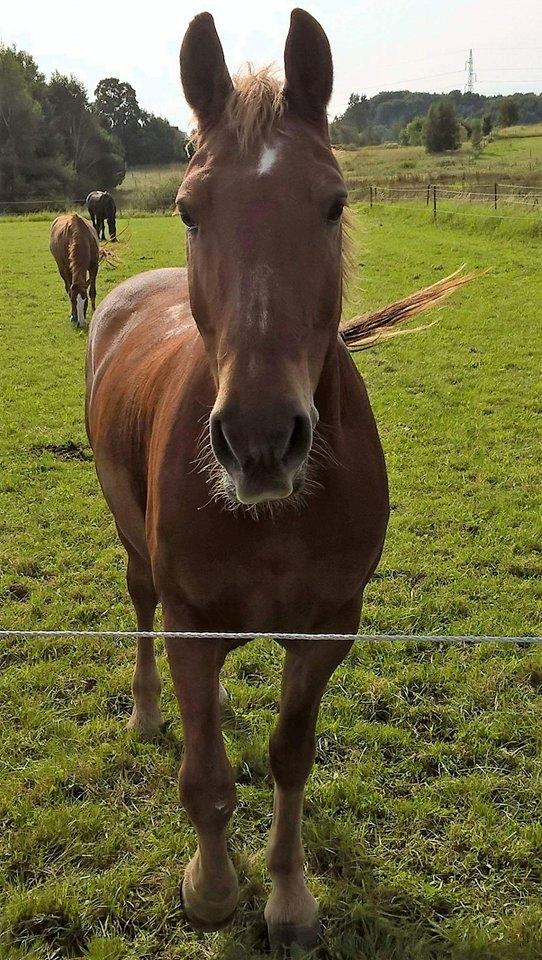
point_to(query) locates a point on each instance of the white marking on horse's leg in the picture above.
(267, 160)
(80, 311)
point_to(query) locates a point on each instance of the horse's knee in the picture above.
(209, 800)
(291, 754)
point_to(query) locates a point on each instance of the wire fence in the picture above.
(210, 635)
(496, 196)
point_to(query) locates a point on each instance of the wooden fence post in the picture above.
(495, 196)
(428, 195)
(434, 202)
(371, 195)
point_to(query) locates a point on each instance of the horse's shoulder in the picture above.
(147, 303)
(143, 293)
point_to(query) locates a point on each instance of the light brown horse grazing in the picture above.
(275, 520)
(74, 245)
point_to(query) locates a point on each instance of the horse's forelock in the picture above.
(254, 106)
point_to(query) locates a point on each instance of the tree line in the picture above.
(56, 143)
(442, 129)
(383, 117)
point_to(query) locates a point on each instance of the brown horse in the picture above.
(74, 245)
(236, 447)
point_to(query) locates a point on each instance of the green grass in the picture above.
(423, 836)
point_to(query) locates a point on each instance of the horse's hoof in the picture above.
(145, 728)
(205, 925)
(287, 934)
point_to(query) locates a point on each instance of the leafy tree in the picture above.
(160, 141)
(441, 129)
(95, 156)
(29, 161)
(412, 134)
(508, 112)
(487, 124)
(356, 114)
(116, 104)
(341, 133)
(145, 138)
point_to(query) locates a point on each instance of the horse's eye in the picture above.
(335, 211)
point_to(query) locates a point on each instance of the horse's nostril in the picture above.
(221, 447)
(299, 443)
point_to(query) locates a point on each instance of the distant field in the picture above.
(149, 188)
(423, 836)
(512, 156)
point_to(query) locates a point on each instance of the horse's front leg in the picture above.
(291, 911)
(93, 273)
(206, 779)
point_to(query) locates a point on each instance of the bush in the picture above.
(476, 135)
(412, 134)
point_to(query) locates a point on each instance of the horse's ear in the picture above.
(308, 67)
(204, 74)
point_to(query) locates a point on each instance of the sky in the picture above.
(376, 44)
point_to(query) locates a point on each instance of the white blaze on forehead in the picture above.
(268, 158)
(80, 312)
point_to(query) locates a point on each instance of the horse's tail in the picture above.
(363, 331)
(111, 257)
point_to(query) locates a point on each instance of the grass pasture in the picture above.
(513, 155)
(422, 832)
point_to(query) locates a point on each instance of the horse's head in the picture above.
(262, 201)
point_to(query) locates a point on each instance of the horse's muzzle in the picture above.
(264, 456)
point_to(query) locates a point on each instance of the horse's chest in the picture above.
(269, 577)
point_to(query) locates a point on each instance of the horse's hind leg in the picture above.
(206, 780)
(146, 719)
(291, 911)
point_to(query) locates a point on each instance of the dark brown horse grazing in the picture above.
(278, 523)
(74, 245)
(102, 207)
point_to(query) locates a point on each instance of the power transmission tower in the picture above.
(471, 76)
